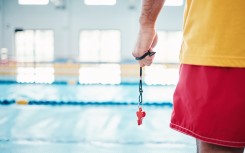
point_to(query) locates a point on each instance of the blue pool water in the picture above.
(88, 128)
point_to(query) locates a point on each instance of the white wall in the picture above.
(67, 23)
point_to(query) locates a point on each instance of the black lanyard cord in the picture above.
(148, 53)
(140, 89)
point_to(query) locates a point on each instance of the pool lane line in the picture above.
(81, 103)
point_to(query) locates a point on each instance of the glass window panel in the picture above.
(90, 46)
(110, 46)
(100, 46)
(24, 46)
(34, 45)
(44, 45)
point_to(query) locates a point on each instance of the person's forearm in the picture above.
(149, 13)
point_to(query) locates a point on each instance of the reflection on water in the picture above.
(100, 74)
(157, 74)
(35, 75)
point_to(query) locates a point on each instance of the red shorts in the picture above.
(209, 104)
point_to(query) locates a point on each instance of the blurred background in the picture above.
(69, 83)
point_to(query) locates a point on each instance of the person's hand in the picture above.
(147, 40)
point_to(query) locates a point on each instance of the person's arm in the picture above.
(147, 37)
(149, 13)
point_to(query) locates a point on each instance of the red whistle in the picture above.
(140, 114)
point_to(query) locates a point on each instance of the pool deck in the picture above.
(89, 129)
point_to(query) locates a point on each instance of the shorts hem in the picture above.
(186, 131)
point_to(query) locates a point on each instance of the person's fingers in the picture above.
(136, 54)
(142, 65)
(148, 64)
(145, 62)
(149, 58)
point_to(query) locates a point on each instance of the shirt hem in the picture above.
(213, 61)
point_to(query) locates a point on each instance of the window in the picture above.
(168, 47)
(33, 2)
(100, 2)
(100, 46)
(34, 45)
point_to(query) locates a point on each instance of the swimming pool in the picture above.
(89, 118)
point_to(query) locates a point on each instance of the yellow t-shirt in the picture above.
(214, 33)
